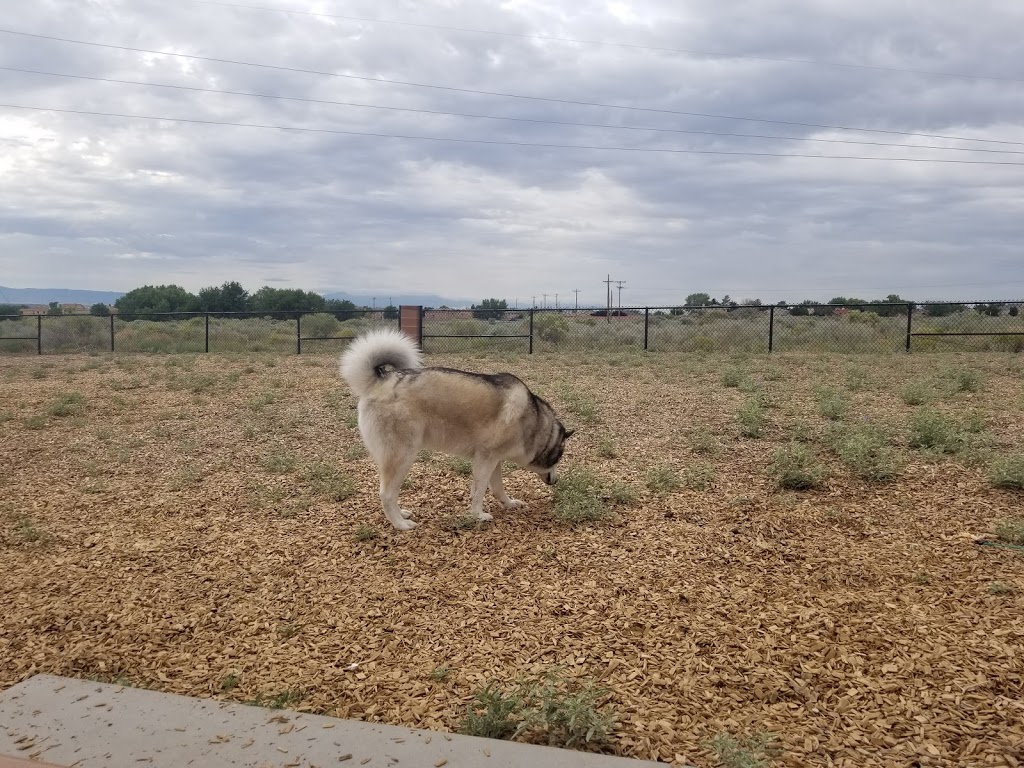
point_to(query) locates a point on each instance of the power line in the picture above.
(250, 94)
(632, 46)
(492, 142)
(499, 94)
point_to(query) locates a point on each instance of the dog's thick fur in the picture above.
(405, 407)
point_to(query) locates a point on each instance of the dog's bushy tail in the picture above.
(363, 363)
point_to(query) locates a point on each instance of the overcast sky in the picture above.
(101, 202)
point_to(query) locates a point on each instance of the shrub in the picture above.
(867, 453)
(832, 405)
(662, 479)
(917, 393)
(795, 467)
(1008, 472)
(931, 430)
(580, 497)
(751, 418)
(552, 711)
(1011, 531)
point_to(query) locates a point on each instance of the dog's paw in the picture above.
(405, 513)
(484, 516)
(404, 525)
(514, 504)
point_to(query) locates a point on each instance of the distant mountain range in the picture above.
(61, 295)
(423, 300)
(88, 298)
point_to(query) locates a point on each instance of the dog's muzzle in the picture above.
(550, 478)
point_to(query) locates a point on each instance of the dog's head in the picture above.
(546, 464)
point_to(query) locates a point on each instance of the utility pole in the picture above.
(533, 302)
(556, 301)
(545, 304)
(608, 298)
(577, 292)
(620, 284)
(374, 302)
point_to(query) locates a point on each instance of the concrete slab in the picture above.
(71, 722)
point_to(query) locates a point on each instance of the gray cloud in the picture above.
(111, 203)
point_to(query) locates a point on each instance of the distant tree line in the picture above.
(877, 306)
(229, 297)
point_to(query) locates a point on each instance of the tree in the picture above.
(229, 297)
(54, 310)
(803, 308)
(892, 298)
(992, 310)
(1014, 311)
(99, 310)
(390, 312)
(154, 299)
(10, 309)
(268, 299)
(339, 305)
(942, 310)
(489, 309)
(699, 300)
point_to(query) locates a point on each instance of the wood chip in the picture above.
(191, 532)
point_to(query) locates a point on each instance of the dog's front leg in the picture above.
(482, 472)
(498, 489)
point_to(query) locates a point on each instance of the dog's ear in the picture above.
(568, 433)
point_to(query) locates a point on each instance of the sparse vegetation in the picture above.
(581, 497)
(460, 466)
(1008, 472)
(329, 482)
(795, 467)
(366, 533)
(831, 404)
(71, 404)
(280, 463)
(699, 477)
(230, 683)
(1001, 588)
(1011, 531)
(751, 418)
(749, 752)
(931, 430)
(606, 448)
(917, 393)
(704, 444)
(552, 711)
(865, 451)
(663, 479)
(732, 377)
(580, 405)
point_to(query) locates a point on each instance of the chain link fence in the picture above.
(838, 328)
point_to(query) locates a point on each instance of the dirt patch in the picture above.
(209, 526)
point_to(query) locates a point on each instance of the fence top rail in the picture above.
(708, 307)
(210, 313)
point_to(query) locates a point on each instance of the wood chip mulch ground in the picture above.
(210, 526)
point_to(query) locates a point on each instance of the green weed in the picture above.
(795, 467)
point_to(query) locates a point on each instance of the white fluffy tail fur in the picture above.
(362, 363)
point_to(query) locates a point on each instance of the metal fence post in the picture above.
(423, 315)
(531, 330)
(298, 334)
(647, 325)
(39, 334)
(910, 321)
(206, 335)
(771, 327)
(111, 332)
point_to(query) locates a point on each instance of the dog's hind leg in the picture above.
(393, 469)
(498, 489)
